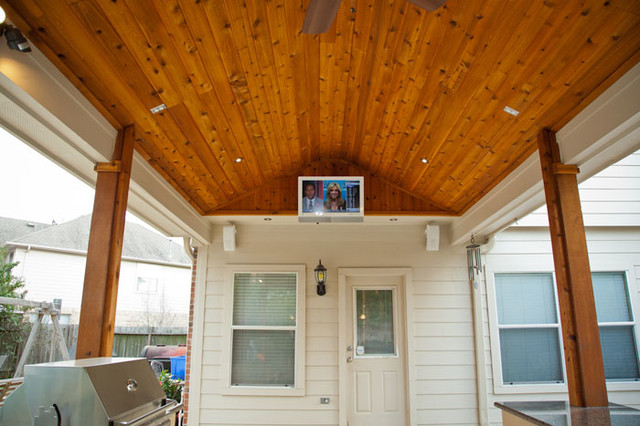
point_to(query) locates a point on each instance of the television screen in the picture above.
(330, 198)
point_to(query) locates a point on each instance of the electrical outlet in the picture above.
(324, 400)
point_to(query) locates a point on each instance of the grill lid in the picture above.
(121, 384)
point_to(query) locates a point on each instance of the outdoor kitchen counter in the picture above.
(560, 413)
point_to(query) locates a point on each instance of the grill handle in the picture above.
(170, 407)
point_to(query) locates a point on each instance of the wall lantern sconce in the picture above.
(321, 278)
(474, 261)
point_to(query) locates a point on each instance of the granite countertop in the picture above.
(560, 413)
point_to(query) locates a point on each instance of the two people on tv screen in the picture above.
(333, 200)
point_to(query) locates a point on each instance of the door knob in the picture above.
(349, 359)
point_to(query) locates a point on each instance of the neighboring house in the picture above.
(15, 228)
(154, 275)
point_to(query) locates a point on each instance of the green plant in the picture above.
(172, 387)
(12, 322)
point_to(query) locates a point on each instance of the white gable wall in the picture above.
(52, 275)
(443, 372)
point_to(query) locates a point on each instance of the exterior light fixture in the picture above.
(15, 39)
(474, 262)
(321, 278)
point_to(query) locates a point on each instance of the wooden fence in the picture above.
(128, 342)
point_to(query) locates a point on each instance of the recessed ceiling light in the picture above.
(424, 160)
(511, 111)
(267, 219)
(157, 109)
(239, 160)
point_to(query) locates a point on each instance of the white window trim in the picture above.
(299, 388)
(494, 331)
(625, 385)
(622, 264)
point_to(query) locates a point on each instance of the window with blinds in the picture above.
(264, 329)
(616, 325)
(529, 329)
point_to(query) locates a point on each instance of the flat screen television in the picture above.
(330, 198)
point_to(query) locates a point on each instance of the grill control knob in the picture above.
(132, 385)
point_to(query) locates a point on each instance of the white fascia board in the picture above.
(604, 132)
(43, 109)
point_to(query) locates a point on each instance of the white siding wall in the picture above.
(610, 198)
(443, 370)
(56, 275)
(529, 250)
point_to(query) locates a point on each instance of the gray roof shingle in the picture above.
(139, 242)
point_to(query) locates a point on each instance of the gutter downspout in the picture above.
(478, 340)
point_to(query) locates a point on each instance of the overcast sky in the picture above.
(34, 188)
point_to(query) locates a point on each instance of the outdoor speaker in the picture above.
(229, 238)
(432, 232)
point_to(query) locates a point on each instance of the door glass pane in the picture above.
(374, 319)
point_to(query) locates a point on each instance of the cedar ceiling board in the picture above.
(242, 44)
(362, 24)
(383, 89)
(171, 13)
(263, 45)
(382, 101)
(298, 63)
(378, 72)
(397, 110)
(184, 173)
(277, 19)
(213, 158)
(151, 48)
(156, 162)
(449, 104)
(169, 123)
(262, 64)
(231, 90)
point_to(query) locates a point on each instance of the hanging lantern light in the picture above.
(321, 278)
(474, 261)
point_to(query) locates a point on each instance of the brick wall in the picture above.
(189, 337)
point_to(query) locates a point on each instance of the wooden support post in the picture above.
(583, 355)
(98, 310)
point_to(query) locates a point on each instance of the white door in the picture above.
(375, 352)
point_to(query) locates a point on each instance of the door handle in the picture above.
(349, 359)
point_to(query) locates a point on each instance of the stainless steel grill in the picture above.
(92, 392)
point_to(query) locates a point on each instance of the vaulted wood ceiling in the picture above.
(387, 85)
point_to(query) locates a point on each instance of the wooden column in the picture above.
(583, 356)
(98, 310)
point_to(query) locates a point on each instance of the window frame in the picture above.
(622, 264)
(299, 387)
(494, 330)
(621, 384)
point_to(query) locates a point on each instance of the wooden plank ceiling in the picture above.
(388, 85)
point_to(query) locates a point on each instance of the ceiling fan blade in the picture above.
(429, 5)
(320, 16)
